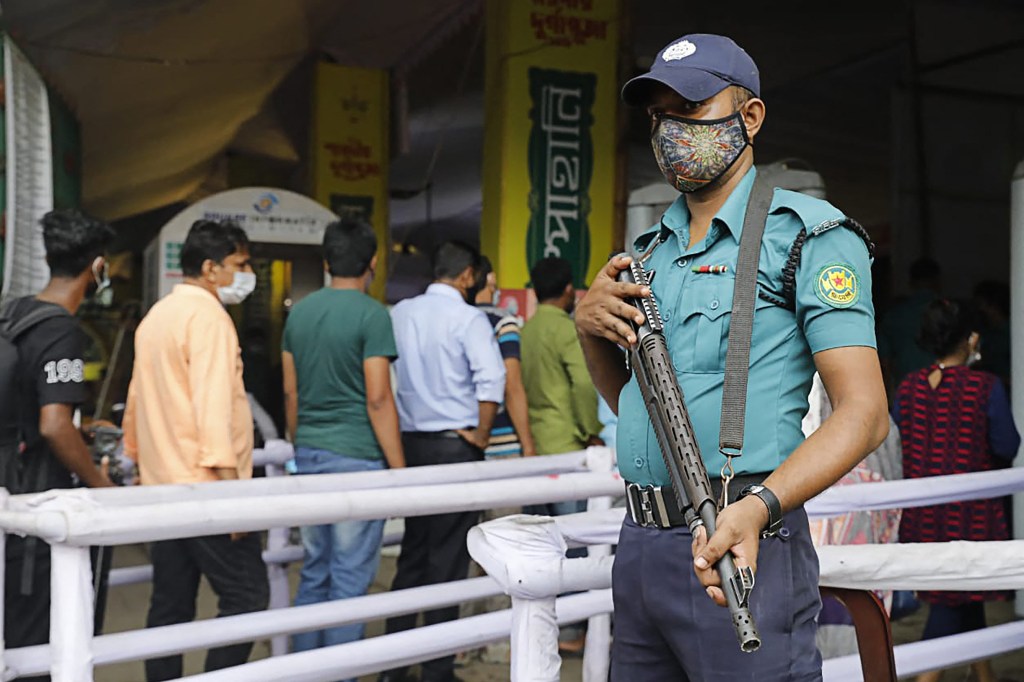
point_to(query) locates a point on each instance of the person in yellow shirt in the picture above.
(188, 421)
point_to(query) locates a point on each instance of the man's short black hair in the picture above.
(349, 246)
(550, 276)
(453, 257)
(73, 241)
(210, 240)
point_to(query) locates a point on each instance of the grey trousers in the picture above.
(667, 628)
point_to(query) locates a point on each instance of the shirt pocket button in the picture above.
(714, 304)
(638, 462)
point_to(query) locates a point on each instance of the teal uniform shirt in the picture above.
(831, 307)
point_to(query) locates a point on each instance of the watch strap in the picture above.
(771, 501)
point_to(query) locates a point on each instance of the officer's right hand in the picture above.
(603, 312)
(739, 531)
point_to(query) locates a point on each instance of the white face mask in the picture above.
(243, 284)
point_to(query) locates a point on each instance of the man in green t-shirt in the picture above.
(561, 396)
(338, 348)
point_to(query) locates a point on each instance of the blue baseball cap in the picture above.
(697, 66)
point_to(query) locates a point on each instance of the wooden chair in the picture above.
(874, 634)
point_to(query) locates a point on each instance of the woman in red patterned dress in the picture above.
(954, 420)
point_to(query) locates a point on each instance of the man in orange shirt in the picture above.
(188, 421)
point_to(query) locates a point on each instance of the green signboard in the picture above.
(561, 164)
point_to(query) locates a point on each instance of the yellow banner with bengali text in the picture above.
(551, 135)
(349, 149)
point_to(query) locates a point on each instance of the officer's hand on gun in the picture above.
(739, 529)
(603, 311)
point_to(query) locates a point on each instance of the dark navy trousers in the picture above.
(667, 628)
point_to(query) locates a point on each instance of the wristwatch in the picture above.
(770, 501)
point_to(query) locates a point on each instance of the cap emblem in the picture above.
(680, 50)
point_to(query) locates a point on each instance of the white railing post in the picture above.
(534, 640)
(277, 573)
(524, 554)
(596, 653)
(71, 614)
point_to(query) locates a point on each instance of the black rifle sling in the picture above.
(741, 324)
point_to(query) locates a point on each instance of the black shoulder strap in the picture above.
(741, 324)
(12, 329)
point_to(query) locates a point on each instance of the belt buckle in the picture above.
(641, 504)
(647, 506)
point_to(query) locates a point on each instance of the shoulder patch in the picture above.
(838, 285)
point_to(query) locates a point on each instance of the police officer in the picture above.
(813, 312)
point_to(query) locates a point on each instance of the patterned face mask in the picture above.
(692, 153)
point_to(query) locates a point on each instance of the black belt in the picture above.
(653, 506)
(433, 435)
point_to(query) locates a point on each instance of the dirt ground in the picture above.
(127, 611)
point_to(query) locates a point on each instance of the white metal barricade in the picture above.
(73, 520)
(526, 555)
(533, 570)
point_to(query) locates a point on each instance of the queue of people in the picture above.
(460, 392)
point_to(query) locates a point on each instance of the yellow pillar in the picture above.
(349, 149)
(551, 132)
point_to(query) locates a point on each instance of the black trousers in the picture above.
(27, 616)
(237, 575)
(434, 547)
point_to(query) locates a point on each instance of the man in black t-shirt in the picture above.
(51, 388)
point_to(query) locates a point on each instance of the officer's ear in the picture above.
(753, 116)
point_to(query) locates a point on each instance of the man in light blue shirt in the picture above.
(451, 379)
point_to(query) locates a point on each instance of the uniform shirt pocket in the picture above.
(698, 343)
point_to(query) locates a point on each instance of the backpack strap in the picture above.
(14, 328)
(741, 324)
